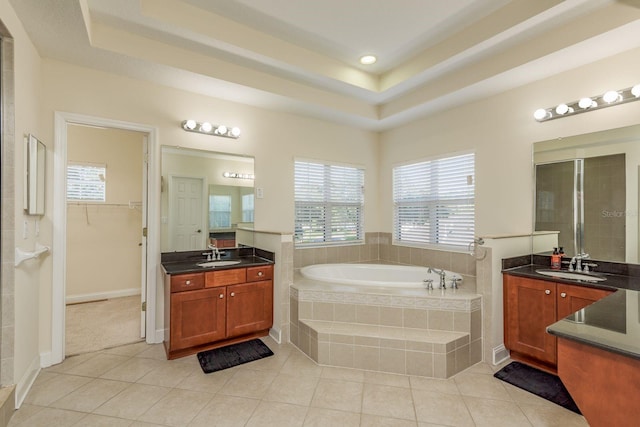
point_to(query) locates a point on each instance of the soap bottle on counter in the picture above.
(556, 259)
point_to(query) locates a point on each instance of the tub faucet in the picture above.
(440, 273)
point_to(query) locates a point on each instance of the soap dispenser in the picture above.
(556, 259)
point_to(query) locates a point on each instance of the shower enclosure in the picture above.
(585, 201)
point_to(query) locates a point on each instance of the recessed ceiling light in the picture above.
(368, 59)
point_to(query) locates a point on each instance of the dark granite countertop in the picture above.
(187, 262)
(612, 324)
(614, 281)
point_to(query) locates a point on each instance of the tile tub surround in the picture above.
(388, 330)
(377, 247)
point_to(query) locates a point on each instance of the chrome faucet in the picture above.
(577, 261)
(440, 273)
(215, 253)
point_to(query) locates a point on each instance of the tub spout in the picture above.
(440, 273)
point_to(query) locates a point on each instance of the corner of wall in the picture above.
(24, 385)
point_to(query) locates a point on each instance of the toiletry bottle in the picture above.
(561, 255)
(555, 259)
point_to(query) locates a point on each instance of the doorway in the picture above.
(105, 175)
(147, 238)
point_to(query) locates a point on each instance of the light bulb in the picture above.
(368, 59)
(235, 131)
(611, 96)
(226, 174)
(541, 114)
(635, 91)
(563, 109)
(190, 124)
(585, 103)
(206, 127)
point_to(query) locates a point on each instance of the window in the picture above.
(247, 208)
(86, 182)
(434, 202)
(329, 204)
(219, 211)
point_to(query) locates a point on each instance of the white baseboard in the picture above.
(159, 337)
(70, 299)
(24, 385)
(500, 354)
(276, 334)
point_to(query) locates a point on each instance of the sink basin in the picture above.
(217, 263)
(572, 275)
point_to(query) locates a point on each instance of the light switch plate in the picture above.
(259, 192)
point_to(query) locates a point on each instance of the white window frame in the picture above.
(91, 176)
(319, 187)
(427, 191)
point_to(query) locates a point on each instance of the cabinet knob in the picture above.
(260, 273)
(188, 282)
(221, 296)
(233, 294)
(547, 291)
(563, 294)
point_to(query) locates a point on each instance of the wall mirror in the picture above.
(36, 156)
(206, 197)
(586, 189)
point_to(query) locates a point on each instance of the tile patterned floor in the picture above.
(135, 386)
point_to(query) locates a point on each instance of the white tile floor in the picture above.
(134, 385)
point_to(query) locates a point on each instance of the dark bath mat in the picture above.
(233, 355)
(540, 383)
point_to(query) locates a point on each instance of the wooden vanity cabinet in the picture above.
(197, 317)
(530, 305)
(217, 308)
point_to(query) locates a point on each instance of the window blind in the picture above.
(247, 208)
(329, 203)
(86, 182)
(434, 201)
(219, 211)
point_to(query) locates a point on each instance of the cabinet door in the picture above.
(197, 317)
(530, 306)
(572, 298)
(249, 307)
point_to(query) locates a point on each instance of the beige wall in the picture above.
(111, 231)
(501, 130)
(73, 89)
(20, 357)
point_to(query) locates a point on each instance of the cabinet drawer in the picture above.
(263, 272)
(225, 277)
(187, 282)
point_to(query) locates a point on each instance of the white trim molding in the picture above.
(97, 296)
(24, 385)
(58, 298)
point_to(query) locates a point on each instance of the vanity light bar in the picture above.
(608, 99)
(209, 129)
(238, 175)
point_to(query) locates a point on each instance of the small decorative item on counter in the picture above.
(556, 259)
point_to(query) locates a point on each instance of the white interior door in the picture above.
(187, 225)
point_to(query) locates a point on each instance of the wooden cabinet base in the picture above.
(175, 354)
(532, 361)
(604, 385)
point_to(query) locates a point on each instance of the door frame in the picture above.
(204, 207)
(59, 219)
